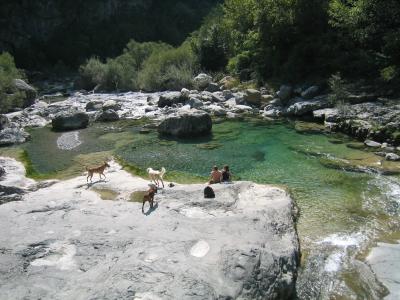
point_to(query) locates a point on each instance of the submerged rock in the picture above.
(186, 124)
(69, 140)
(308, 127)
(70, 120)
(240, 245)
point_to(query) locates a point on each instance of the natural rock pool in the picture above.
(346, 204)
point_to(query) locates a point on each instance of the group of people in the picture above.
(218, 176)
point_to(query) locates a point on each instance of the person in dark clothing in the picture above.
(226, 175)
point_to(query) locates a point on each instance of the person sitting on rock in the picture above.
(215, 176)
(226, 175)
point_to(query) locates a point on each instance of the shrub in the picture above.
(388, 73)
(120, 73)
(10, 97)
(339, 92)
(92, 73)
(168, 70)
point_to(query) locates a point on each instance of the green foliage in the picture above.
(81, 29)
(92, 73)
(339, 93)
(168, 70)
(389, 73)
(211, 42)
(10, 97)
(297, 39)
(149, 66)
(372, 27)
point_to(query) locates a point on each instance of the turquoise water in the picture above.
(336, 205)
(271, 153)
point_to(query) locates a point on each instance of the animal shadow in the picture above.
(151, 209)
(90, 184)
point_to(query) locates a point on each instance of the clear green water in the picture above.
(333, 202)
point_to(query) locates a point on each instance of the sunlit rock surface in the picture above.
(63, 242)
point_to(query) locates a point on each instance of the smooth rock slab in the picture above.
(385, 262)
(64, 242)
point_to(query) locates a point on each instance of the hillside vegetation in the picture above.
(44, 33)
(290, 40)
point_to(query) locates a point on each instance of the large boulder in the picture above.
(285, 93)
(240, 245)
(94, 105)
(185, 94)
(13, 134)
(252, 96)
(202, 81)
(216, 110)
(70, 120)
(111, 104)
(108, 115)
(212, 87)
(30, 92)
(310, 93)
(186, 124)
(4, 122)
(194, 103)
(170, 99)
(301, 107)
(327, 114)
(228, 82)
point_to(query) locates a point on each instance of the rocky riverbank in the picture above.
(366, 116)
(63, 241)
